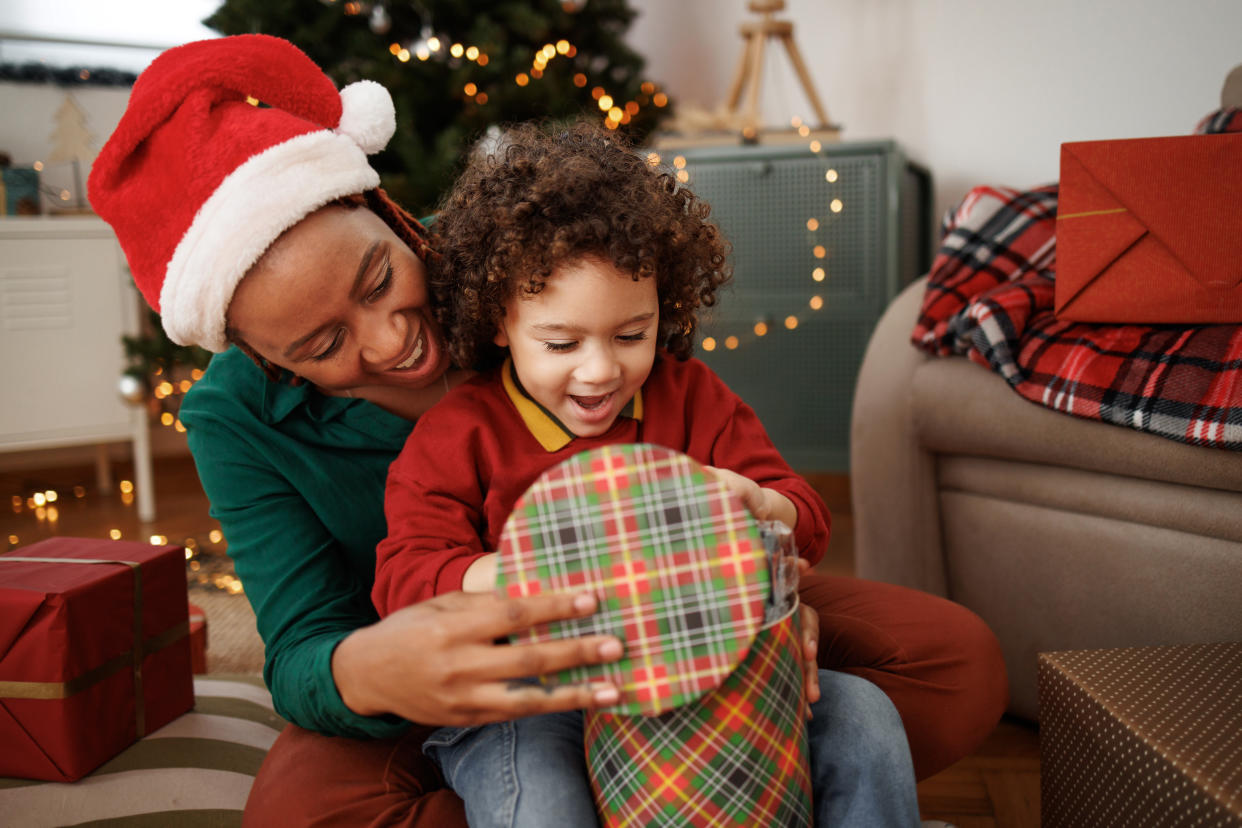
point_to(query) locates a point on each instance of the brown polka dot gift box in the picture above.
(94, 652)
(1143, 736)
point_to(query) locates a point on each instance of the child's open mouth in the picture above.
(591, 403)
(593, 409)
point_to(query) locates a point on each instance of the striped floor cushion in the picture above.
(195, 771)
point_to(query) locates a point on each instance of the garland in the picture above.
(35, 72)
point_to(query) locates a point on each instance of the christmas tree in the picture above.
(456, 68)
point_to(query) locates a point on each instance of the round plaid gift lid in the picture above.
(675, 559)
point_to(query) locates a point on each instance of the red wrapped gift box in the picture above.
(94, 652)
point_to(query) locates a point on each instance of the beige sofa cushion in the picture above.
(959, 407)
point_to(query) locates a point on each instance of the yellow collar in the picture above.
(549, 431)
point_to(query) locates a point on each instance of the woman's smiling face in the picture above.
(342, 302)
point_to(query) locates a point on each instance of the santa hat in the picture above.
(226, 144)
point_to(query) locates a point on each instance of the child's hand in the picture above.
(764, 504)
(481, 574)
(810, 647)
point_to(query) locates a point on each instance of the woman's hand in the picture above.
(437, 662)
(764, 504)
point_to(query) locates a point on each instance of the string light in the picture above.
(206, 565)
(819, 251)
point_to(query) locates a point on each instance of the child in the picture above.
(572, 274)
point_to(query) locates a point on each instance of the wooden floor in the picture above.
(998, 785)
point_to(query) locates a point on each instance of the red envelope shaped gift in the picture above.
(1149, 231)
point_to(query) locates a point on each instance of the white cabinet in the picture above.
(65, 300)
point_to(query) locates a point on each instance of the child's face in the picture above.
(583, 345)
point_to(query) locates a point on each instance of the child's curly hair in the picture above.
(545, 197)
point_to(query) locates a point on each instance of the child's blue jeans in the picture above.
(531, 773)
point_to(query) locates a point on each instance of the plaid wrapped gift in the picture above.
(708, 730)
(737, 756)
(676, 561)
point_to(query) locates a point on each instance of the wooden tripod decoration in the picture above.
(749, 69)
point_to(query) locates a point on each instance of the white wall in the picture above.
(981, 92)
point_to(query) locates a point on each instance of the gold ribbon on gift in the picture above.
(1064, 216)
(133, 658)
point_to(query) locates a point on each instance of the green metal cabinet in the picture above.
(856, 214)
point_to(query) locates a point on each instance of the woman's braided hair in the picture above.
(545, 197)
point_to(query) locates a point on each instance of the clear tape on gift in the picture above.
(782, 555)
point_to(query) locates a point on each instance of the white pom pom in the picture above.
(367, 115)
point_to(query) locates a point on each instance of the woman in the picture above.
(238, 186)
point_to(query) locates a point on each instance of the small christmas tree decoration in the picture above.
(71, 141)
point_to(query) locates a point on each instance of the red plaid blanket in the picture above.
(990, 297)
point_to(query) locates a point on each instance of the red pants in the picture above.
(936, 660)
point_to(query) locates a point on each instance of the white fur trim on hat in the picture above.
(367, 115)
(269, 193)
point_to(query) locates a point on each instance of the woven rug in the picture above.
(233, 643)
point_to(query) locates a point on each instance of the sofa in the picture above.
(1061, 533)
